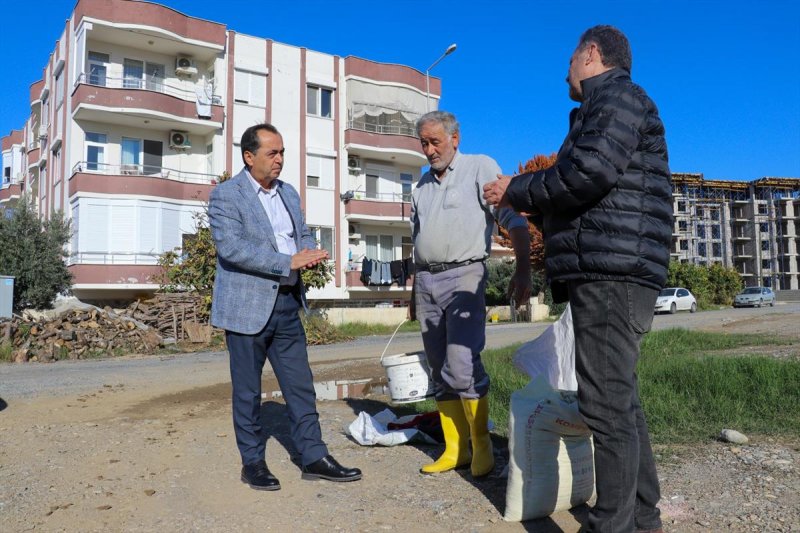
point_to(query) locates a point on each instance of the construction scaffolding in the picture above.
(750, 226)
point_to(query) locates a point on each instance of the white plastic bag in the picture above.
(551, 355)
(551, 458)
(372, 430)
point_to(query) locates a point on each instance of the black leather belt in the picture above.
(287, 289)
(433, 268)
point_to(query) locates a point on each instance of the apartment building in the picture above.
(140, 110)
(751, 226)
(13, 152)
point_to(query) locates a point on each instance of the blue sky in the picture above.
(723, 73)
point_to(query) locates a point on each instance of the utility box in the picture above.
(6, 296)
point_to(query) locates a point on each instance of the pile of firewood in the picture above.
(76, 334)
(175, 316)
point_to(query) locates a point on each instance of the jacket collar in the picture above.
(591, 84)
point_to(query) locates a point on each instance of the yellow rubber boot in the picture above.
(477, 412)
(456, 438)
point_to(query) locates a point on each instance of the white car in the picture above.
(675, 299)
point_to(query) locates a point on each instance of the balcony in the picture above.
(352, 279)
(385, 133)
(134, 102)
(143, 180)
(388, 207)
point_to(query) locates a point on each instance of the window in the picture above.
(684, 245)
(701, 231)
(407, 247)
(716, 249)
(701, 249)
(318, 101)
(372, 186)
(153, 156)
(132, 74)
(131, 155)
(681, 206)
(765, 263)
(324, 236)
(764, 246)
(95, 151)
(715, 214)
(154, 77)
(6, 174)
(716, 231)
(762, 209)
(405, 182)
(59, 88)
(312, 181)
(766, 281)
(98, 65)
(763, 227)
(380, 247)
(682, 225)
(250, 88)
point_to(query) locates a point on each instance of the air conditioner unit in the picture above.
(42, 132)
(185, 66)
(353, 163)
(179, 140)
(353, 232)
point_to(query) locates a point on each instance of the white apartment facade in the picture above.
(141, 108)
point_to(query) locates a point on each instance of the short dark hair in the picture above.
(615, 50)
(250, 142)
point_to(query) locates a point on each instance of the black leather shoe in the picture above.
(328, 468)
(258, 476)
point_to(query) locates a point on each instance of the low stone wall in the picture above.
(394, 315)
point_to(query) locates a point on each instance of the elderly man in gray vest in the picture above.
(452, 227)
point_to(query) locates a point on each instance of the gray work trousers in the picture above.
(451, 309)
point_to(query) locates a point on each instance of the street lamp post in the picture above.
(450, 50)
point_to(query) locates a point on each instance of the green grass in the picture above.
(362, 329)
(6, 351)
(690, 387)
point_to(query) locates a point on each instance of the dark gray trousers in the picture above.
(283, 342)
(451, 309)
(610, 318)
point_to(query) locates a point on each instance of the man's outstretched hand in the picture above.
(494, 192)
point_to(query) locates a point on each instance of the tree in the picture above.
(32, 249)
(537, 162)
(193, 268)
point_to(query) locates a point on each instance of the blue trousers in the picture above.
(283, 342)
(610, 318)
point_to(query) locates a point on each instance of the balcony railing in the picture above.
(92, 167)
(112, 258)
(158, 85)
(391, 129)
(377, 118)
(382, 196)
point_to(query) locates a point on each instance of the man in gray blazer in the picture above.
(262, 244)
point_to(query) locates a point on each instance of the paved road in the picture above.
(19, 381)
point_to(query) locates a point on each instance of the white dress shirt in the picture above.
(281, 222)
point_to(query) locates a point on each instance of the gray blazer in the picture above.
(249, 265)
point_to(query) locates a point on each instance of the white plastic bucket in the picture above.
(408, 375)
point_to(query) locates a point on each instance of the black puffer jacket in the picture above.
(606, 205)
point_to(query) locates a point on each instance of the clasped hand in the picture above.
(308, 258)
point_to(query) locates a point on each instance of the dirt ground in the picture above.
(163, 458)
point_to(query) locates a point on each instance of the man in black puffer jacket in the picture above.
(606, 213)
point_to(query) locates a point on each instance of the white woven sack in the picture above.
(551, 354)
(551, 463)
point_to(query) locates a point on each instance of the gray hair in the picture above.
(447, 120)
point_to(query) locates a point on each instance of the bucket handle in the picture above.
(392, 337)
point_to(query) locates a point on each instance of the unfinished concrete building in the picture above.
(751, 226)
